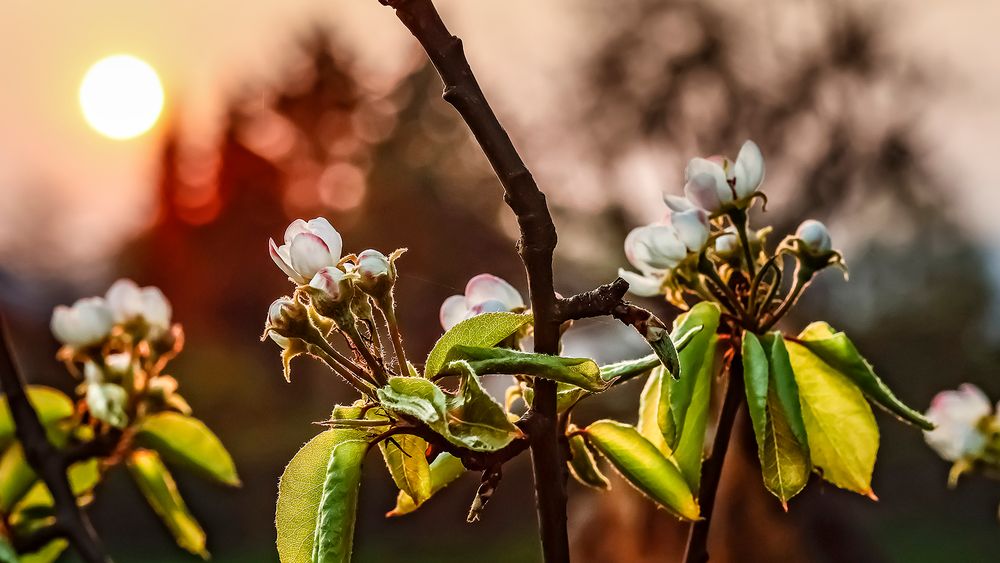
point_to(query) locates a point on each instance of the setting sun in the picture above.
(121, 96)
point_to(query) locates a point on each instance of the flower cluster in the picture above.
(708, 229)
(122, 342)
(346, 294)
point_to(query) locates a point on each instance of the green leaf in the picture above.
(47, 554)
(840, 427)
(678, 394)
(7, 553)
(50, 404)
(487, 329)
(187, 442)
(445, 469)
(566, 395)
(471, 418)
(299, 492)
(839, 352)
(643, 466)
(784, 386)
(16, 477)
(784, 460)
(405, 457)
(583, 466)
(338, 503)
(581, 372)
(620, 372)
(83, 478)
(690, 448)
(649, 402)
(160, 491)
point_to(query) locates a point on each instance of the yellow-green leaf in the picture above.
(47, 554)
(487, 329)
(444, 469)
(160, 491)
(583, 466)
(299, 492)
(187, 442)
(407, 463)
(840, 427)
(16, 477)
(338, 504)
(51, 405)
(649, 402)
(581, 372)
(643, 466)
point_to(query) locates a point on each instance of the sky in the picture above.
(88, 192)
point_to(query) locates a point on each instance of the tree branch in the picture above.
(536, 245)
(46, 460)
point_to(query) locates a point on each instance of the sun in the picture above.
(121, 96)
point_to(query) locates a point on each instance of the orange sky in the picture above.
(88, 190)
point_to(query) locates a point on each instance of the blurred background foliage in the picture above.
(392, 166)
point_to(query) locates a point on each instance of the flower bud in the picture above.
(748, 172)
(128, 302)
(485, 293)
(376, 273)
(654, 248)
(814, 237)
(335, 284)
(309, 247)
(727, 244)
(106, 402)
(85, 323)
(958, 417)
(285, 317)
(118, 364)
(692, 227)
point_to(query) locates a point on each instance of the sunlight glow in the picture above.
(121, 97)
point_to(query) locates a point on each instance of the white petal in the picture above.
(654, 248)
(372, 264)
(702, 191)
(283, 261)
(310, 254)
(815, 236)
(692, 228)
(678, 203)
(125, 300)
(328, 279)
(487, 287)
(714, 170)
(324, 230)
(749, 169)
(956, 415)
(453, 311)
(294, 229)
(643, 286)
(490, 306)
(155, 308)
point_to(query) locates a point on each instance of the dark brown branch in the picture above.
(46, 460)
(536, 245)
(697, 545)
(594, 303)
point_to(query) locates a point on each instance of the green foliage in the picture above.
(580, 372)
(649, 402)
(300, 491)
(773, 402)
(16, 477)
(404, 457)
(643, 466)
(470, 418)
(583, 466)
(50, 404)
(620, 372)
(840, 427)
(338, 504)
(187, 442)
(445, 469)
(839, 353)
(487, 329)
(160, 491)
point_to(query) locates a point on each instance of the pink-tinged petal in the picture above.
(749, 169)
(643, 286)
(692, 228)
(678, 203)
(701, 189)
(491, 306)
(956, 415)
(713, 168)
(487, 287)
(324, 230)
(372, 264)
(453, 311)
(280, 260)
(310, 254)
(329, 280)
(295, 228)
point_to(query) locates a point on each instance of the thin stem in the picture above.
(46, 460)
(536, 246)
(388, 308)
(711, 474)
(360, 385)
(757, 279)
(342, 360)
(742, 223)
(706, 267)
(802, 278)
(359, 344)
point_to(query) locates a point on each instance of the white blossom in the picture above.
(716, 182)
(485, 293)
(308, 248)
(957, 416)
(129, 302)
(333, 281)
(86, 322)
(815, 236)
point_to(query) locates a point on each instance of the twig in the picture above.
(71, 522)
(536, 245)
(697, 545)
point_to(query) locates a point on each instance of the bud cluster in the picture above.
(704, 248)
(337, 299)
(120, 344)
